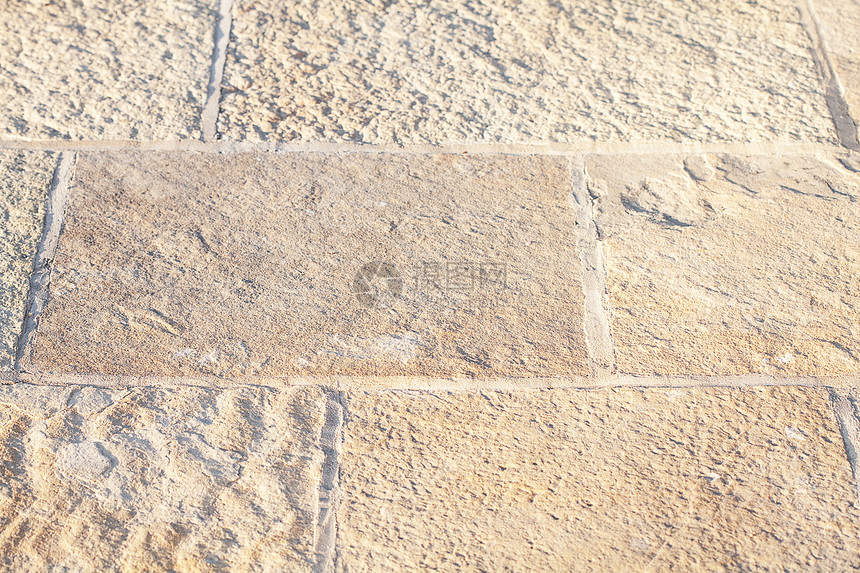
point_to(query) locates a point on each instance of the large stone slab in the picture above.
(521, 72)
(104, 69)
(730, 265)
(25, 179)
(610, 480)
(181, 479)
(840, 20)
(228, 265)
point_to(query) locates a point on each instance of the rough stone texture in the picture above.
(105, 69)
(614, 480)
(246, 264)
(754, 270)
(504, 71)
(25, 179)
(840, 21)
(182, 479)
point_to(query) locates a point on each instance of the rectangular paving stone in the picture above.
(455, 71)
(104, 69)
(25, 179)
(609, 480)
(725, 265)
(149, 479)
(840, 21)
(224, 265)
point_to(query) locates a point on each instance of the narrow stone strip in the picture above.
(849, 427)
(426, 383)
(846, 129)
(325, 534)
(601, 356)
(216, 73)
(55, 209)
(564, 150)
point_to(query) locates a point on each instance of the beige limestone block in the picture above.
(840, 26)
(608, 480)
(25, 179)
(248, 264)
(753, 271)
(148, 479)
(521, 72)
(104, 69)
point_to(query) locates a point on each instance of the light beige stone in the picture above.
(25, 179)
(840, 22)
(754, 271)
(249, 264)
(182, 479)
(521, 72)
(104, 69)
(608, 480)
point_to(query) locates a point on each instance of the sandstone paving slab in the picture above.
(316, 265)
(610, 480)
(149, 479)
(521, 72)
(840, 21)
(104, 69)
(726, 265)
(25, 179)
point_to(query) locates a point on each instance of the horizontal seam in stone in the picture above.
(550, 149)
(428, 383)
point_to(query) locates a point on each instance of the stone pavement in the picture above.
(449, 285)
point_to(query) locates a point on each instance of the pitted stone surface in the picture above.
(25, 179)
(753, 271)
(104, 69)
(609, 480)
(521, 72)
(244, 264)
(183, 479)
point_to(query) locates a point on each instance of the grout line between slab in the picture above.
(209, 117)
(849, 427)
(434, 384)
(834, 94)
(328, 492)
(598, 339)
(561, 149)
(55, 209)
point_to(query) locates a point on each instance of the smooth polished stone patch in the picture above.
(316, 264)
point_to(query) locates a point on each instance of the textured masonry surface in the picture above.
(722, 265)
(513, 72)
(149, 479)
(25, 179)
(104, 69)
(599, 480)
(246, 264)
(200, 268)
